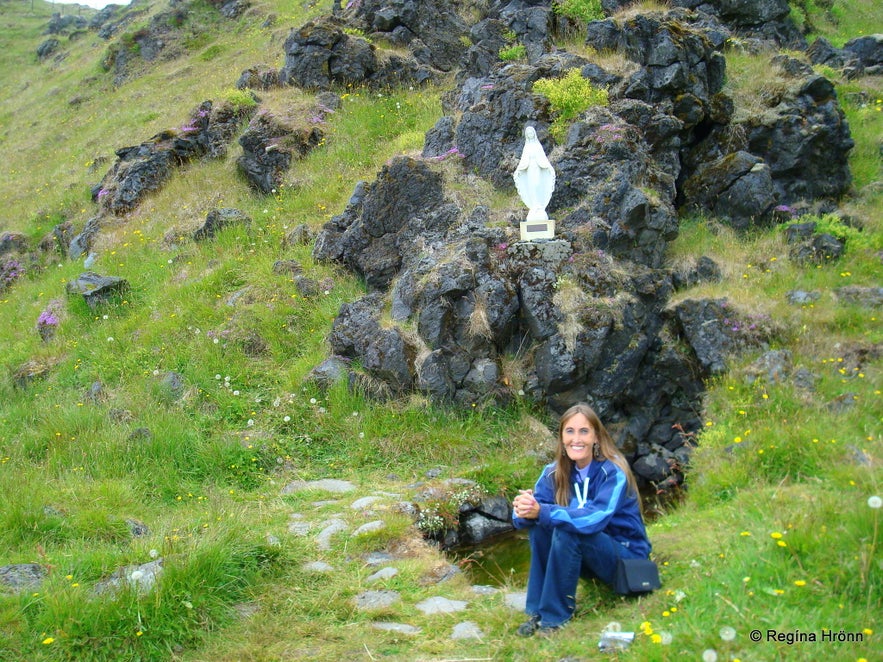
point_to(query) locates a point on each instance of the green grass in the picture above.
(203, 467)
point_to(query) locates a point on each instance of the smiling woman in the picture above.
(583, 516)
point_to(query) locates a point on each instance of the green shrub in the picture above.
(580, 10)
(569, 96)
(513, 52)
(239, 99)
(833, 225)
(356, 32)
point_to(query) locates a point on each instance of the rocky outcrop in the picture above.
(803, 135)
(143, 169)
(431, 29)
(218, 219)
(322, 53)
(381, 227)
(65, 24)
(450, 301)
(737, 188)
(97, 289)
(269, 145)
(859, 56)
(47, 48)
(760, 23)
(454, 294)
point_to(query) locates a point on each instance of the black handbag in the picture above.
(635, 576)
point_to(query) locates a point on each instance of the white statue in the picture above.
(534, 177)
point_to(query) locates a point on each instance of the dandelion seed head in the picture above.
(727, 633)
(875, 502)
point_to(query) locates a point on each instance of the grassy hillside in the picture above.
(775, 532)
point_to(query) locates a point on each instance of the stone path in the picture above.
(328, 528)
(323, 530)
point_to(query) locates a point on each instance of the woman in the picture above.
(584, 514)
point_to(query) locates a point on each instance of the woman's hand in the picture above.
(525, 506)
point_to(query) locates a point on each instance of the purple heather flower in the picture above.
(10, 271)
(47, 318)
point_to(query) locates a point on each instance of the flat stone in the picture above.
(365, 502)
(370, 527)
(440, 605)
(517, 601)
(376, 599)
(480, 589)
(400, 628)
(467, 630)
(383, 573)
(379, 558)
(332, 526)
(140, 577)
(21, 576)
(299, 528)
(317, 566)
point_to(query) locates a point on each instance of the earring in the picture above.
(596, 451)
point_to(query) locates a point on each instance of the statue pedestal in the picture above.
(532, 230)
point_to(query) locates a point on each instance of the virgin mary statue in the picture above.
(534, 177)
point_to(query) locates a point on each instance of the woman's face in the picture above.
(578, 437)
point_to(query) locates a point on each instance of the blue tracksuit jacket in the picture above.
(608, 508)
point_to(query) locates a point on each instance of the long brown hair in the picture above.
(606, 446)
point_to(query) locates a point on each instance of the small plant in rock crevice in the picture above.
(441, 510)
(569, 96)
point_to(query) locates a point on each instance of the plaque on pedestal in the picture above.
(533, 230)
